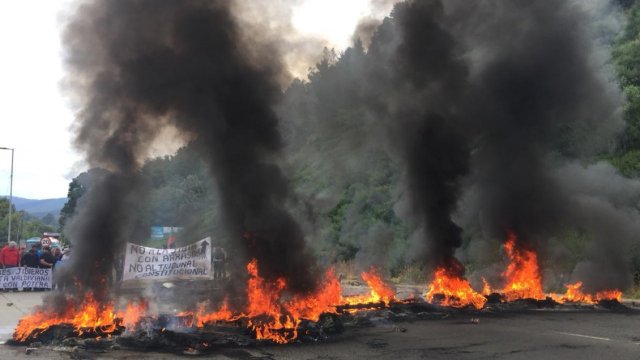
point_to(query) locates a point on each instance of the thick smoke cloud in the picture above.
(485, 113)
(604, 205)
(488, 119)
(140, 65)
(417, 79)
(534, 93)
(433, 146)
(481, 104)
(538, 101)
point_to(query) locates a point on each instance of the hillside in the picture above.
(39, 208)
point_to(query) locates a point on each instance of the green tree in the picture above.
(77, 187)
(49, 219)
(4, 219)
(626, 56)
(23, 224)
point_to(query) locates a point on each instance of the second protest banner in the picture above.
(191, 261)
(25, 278)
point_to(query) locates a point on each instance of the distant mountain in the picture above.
(39, 208)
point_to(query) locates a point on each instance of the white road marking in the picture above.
(584, 336)
(5, 333)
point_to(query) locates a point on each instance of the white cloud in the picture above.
(33, 115)
(334, 20)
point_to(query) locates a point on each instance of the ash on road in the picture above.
(544, 334)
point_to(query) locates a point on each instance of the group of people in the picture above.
(44, 258)
(48, 258)
(11, 256)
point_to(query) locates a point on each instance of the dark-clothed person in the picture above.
(47, 261)
(219, 258)
(30, 258)
(57, 255)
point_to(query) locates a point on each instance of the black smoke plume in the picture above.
(432, 79)
(537, 101)
(488, 101)
(138, 66)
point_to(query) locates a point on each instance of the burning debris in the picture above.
(271, 314)
(380, 292)
(271, 311)
(451, 290)
(85, 318)
(469, 114)
(523, 280)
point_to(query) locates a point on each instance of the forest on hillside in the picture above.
(23, 224)
(348, 198)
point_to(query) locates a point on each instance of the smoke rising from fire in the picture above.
(485, 105)
(539, 101)
(431, 78)
(536, 100)
(138, 66)
(489, 121)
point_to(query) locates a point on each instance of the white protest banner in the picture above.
(188, 262)
(25, 277)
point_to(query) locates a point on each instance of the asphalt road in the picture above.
(519, 335)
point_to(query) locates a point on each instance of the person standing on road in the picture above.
(57, 255)
(47, 261)
(23, 250)
(219, 258)
(10, 257)
(30, 259)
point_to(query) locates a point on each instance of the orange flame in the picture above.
(486, 288)
(89, 315)
(263, 300)
(323, 300)
(133, 313)
(575, 294)
(605, 295)
(274, 314)
(223, 314)
(271, 314)
(456, 291)
(379, 290)
(523, 280)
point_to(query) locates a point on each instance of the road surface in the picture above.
(522, 335)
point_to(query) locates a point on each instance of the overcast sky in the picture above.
(34, 116)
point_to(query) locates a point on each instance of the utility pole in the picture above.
(10, 192)
(19, 232)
